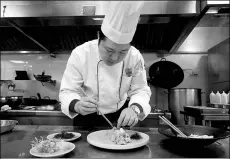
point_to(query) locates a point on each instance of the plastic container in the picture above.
(224, 98)
(218, 98)
(212, 97)
(228, 98)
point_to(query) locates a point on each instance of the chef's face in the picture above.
(111, 52)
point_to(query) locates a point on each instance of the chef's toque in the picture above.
(121, 20)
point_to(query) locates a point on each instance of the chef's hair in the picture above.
(100, 36)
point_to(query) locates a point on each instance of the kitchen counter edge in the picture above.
(58, 113)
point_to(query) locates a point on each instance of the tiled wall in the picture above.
(36, 63)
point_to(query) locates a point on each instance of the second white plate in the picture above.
(66, 147)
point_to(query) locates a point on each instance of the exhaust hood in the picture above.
(212, 29)
(60, 26)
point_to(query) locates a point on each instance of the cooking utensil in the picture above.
(7, 125)
(43, 77)
(106, 119)
(180, 97)
(198, 130)
(172, 126)
(32, 101)
(165, 74)
(100, 111)
(12, 101)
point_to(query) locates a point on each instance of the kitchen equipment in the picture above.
(12, 101)
(201, 110)
(7, 125)
(180, 97)
(165, 74)
(222, 106)
(46, 100)
(32, 101)
(21, 75)
(43, 77)
(172, 126)
(197, 130)
(99, 111)
(106, 119)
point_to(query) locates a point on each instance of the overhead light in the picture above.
(97, 18)
(14, 61)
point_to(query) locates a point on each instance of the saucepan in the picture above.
(43, 77)
(46, 100)
(195, 130)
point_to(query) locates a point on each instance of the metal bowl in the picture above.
(7, 125)
(198, 130)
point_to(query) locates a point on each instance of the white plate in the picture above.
(66, 148)
(76, 136)
(100, 139)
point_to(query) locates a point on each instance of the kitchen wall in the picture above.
(36, 63)
(218, 63)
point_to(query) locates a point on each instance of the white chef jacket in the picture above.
(115, 83)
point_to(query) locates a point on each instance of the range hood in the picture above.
(60, 26)
(211, 30)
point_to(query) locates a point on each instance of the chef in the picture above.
(107, 75)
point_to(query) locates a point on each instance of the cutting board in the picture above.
(205, 110)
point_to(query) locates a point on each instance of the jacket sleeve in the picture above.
(139, 91)
(72, 79)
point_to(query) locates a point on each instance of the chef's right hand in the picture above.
(86, 105)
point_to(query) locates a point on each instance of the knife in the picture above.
(109, 122)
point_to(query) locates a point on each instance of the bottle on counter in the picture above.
(212, 97)
(228, 98)
(224, 98)
(218, 98)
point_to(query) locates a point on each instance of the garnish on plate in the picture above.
(64, 135)
(45, 146)
(135, 136)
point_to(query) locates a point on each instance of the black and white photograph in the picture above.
(114, 79)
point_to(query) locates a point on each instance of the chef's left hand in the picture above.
(127, 118)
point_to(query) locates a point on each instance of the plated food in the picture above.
(64, 136)
(50, 148)
(121, 137)
(199, 136)
(117, 139)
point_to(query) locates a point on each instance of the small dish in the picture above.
(52, 136)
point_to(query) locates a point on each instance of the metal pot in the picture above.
(180, 97)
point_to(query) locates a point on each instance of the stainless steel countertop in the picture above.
(17, 144)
